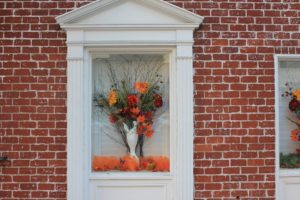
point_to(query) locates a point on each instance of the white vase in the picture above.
(132, 138)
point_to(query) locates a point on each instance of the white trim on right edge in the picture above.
(277, 164)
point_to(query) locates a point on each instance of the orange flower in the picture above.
(162, 164)
(149, 131)
(129, 163)
(294, 135)
(135, 111)
(141, 118)
(105, 163)
(155, 163)
(147, 163)
(112, 98)
(296, 93)
(141, 87)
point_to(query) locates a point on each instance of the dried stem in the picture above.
(294, 122)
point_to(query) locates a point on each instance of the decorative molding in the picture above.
(75, 52)
(97, 5)
(129, 43)
(91, 27)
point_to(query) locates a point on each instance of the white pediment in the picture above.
(130, 13)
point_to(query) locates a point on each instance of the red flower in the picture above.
(140, 129)
(158, 100)
(149, 131)
(124, 111)
(148, 116)
(113, 119)
(294, 104)
(134, 112)
(132, 100)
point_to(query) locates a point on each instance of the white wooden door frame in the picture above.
(153, 25)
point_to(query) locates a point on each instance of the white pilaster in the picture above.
(75, 129)
(184, 144)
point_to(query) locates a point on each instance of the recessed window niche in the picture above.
(120, 72)
(289, 113)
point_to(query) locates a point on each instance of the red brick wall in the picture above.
(234, 96)
(33, 99)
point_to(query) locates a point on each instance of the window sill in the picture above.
(131, 175)
(289, 172)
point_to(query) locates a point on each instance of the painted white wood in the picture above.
(118, 14)
(184, 143)
(289, 173)
(139, 177)
(129, 190)
(75, 129)
(130, 35)
(287, 180)
(289, 188)
(139, 26)
(164, 13)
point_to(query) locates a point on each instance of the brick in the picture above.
(203, 148)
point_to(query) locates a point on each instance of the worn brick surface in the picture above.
(234, 96)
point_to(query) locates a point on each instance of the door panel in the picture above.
(131, 190)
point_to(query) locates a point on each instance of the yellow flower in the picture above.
(141, 87)
(296, 93)
(112, 98)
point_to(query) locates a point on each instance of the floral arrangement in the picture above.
(127, 106)
(294, 106)
(131, 105)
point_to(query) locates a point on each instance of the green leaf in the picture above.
(291, 160)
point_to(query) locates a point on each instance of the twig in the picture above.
(293, 122)
(114, 139)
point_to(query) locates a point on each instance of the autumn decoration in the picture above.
(130, 164)
(294, 106)
(131, 104)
